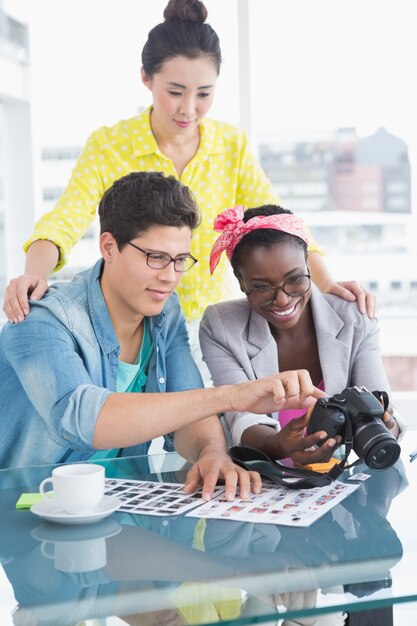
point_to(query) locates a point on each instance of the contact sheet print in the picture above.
(278, 505)
(153, 498)
(274, 505)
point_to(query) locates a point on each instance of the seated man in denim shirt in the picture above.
(118, 327)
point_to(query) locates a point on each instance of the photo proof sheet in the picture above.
(274, 505)
(278, 505)
(153, 498)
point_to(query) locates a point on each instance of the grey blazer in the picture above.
(238, 346)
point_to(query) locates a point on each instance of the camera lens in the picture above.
(383, 455)
(378, 448)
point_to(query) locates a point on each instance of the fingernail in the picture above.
(206, 496)
(19, 318)
(244, 494)
(230, 496)
(323, 436)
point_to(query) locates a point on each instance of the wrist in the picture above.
(223, 399)
(213, 448)
(266, 439)
(38, 275)
(324, 285)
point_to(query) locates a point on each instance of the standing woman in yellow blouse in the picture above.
(181, 63)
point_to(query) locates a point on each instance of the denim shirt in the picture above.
(59, 366)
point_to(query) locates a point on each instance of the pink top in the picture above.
(287, 415)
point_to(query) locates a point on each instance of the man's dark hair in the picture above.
(140, 200)
(183, 33)
(264, 237)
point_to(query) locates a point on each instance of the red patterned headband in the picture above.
(233, 228)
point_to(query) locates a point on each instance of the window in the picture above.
(395, 285)
(59, 154)
(52, 193)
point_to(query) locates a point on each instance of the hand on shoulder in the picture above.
(18, 292)
(353, 291)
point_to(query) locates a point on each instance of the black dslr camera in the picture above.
(358, 411)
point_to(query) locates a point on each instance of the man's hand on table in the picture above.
(213, 465)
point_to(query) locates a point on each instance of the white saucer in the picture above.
(49, 510)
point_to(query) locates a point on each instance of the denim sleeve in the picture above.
(48, 364)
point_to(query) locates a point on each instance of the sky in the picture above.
(314, 66)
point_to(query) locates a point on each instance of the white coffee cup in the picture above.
(78, 488)
(76, 556)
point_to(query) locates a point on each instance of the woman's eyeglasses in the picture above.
(160, 260)
(265, 294)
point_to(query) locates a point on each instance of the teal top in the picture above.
(131, 377)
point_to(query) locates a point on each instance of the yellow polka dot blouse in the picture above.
(223, 173)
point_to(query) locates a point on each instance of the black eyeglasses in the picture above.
(265, 294)
(159, 260)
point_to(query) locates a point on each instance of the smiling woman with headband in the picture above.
(283, 323)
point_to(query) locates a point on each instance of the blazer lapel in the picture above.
(262, 348)
(333, 353)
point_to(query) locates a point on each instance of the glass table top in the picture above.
(141, 569)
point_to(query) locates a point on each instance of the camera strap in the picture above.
(382, 396)
(252, 459)
(293, 477)
(337, 469)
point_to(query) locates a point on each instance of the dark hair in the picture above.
(264, 237)
(183, 33)
(140, 200)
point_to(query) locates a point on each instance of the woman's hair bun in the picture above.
(186, 10)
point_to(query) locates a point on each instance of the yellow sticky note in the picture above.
(27, 499)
